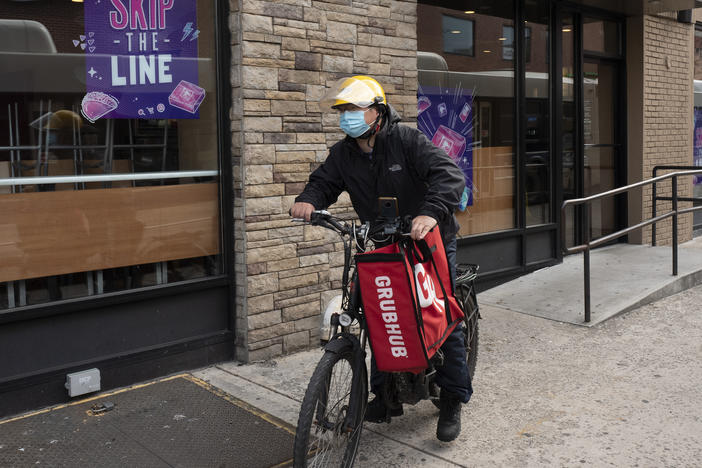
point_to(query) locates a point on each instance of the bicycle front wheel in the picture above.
(327, 434)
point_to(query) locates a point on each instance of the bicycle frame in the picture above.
(340, 335)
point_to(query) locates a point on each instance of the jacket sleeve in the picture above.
(324, 185)
(445, 181)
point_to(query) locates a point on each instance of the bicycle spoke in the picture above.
(330, 439)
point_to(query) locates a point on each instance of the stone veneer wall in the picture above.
(667, 114)
(284, 54)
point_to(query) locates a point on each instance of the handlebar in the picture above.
(385, 227)
(325, 219)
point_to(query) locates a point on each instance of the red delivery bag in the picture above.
(407, 301)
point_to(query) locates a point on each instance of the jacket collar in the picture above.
(389, 123)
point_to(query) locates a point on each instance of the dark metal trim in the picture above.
(118, 297)
(604, 55)
(224, 105)
(541, 227)
(142, 353)
(490, 236)
(591, 11)
(505, 273)
(46, 388)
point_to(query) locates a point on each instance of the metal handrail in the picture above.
(655, 198)
(589, 244)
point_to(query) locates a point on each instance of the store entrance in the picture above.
(592, 122)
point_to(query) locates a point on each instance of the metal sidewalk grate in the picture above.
(180, 421)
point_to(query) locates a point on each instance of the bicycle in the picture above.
(332, 411)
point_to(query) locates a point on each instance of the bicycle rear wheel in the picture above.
(470, 320)
(327, 435)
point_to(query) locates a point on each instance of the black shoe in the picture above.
(449, 425)
(378, 412)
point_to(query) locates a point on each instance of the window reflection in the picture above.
(466, 106)
(458, 35)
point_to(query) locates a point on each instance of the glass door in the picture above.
(591, 121)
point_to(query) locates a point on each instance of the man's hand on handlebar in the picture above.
(421, 225)
(302, 210)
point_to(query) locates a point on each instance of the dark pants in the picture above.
(453, 375)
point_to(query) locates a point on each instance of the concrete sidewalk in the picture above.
(625, 392)
(623, 277)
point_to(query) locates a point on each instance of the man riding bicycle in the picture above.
(380, 158)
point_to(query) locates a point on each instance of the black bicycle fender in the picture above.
(342, 342)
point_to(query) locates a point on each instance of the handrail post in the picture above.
(653, 211)
(675, 225)
(586, 261)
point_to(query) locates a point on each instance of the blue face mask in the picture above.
(353, 123)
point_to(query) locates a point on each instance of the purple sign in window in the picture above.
(141, 59)
(446, 118)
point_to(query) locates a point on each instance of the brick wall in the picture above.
(667, 119)
(287, 52)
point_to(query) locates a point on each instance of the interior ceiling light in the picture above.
(501, 38)
(469, 12)
(487, 51)
(456, 31)
(567, 30)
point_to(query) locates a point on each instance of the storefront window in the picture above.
(108, 147)
(466, 106)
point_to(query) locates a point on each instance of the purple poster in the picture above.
(446, 118)
(141, 59)
(697, 146)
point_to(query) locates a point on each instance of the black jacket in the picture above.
(404, 164)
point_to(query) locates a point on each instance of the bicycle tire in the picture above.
(470, 321)
(320, 439)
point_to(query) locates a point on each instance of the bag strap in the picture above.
(422, 247)
(447, 304)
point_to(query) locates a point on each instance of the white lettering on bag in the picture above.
(392, 328)
(425, 289)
